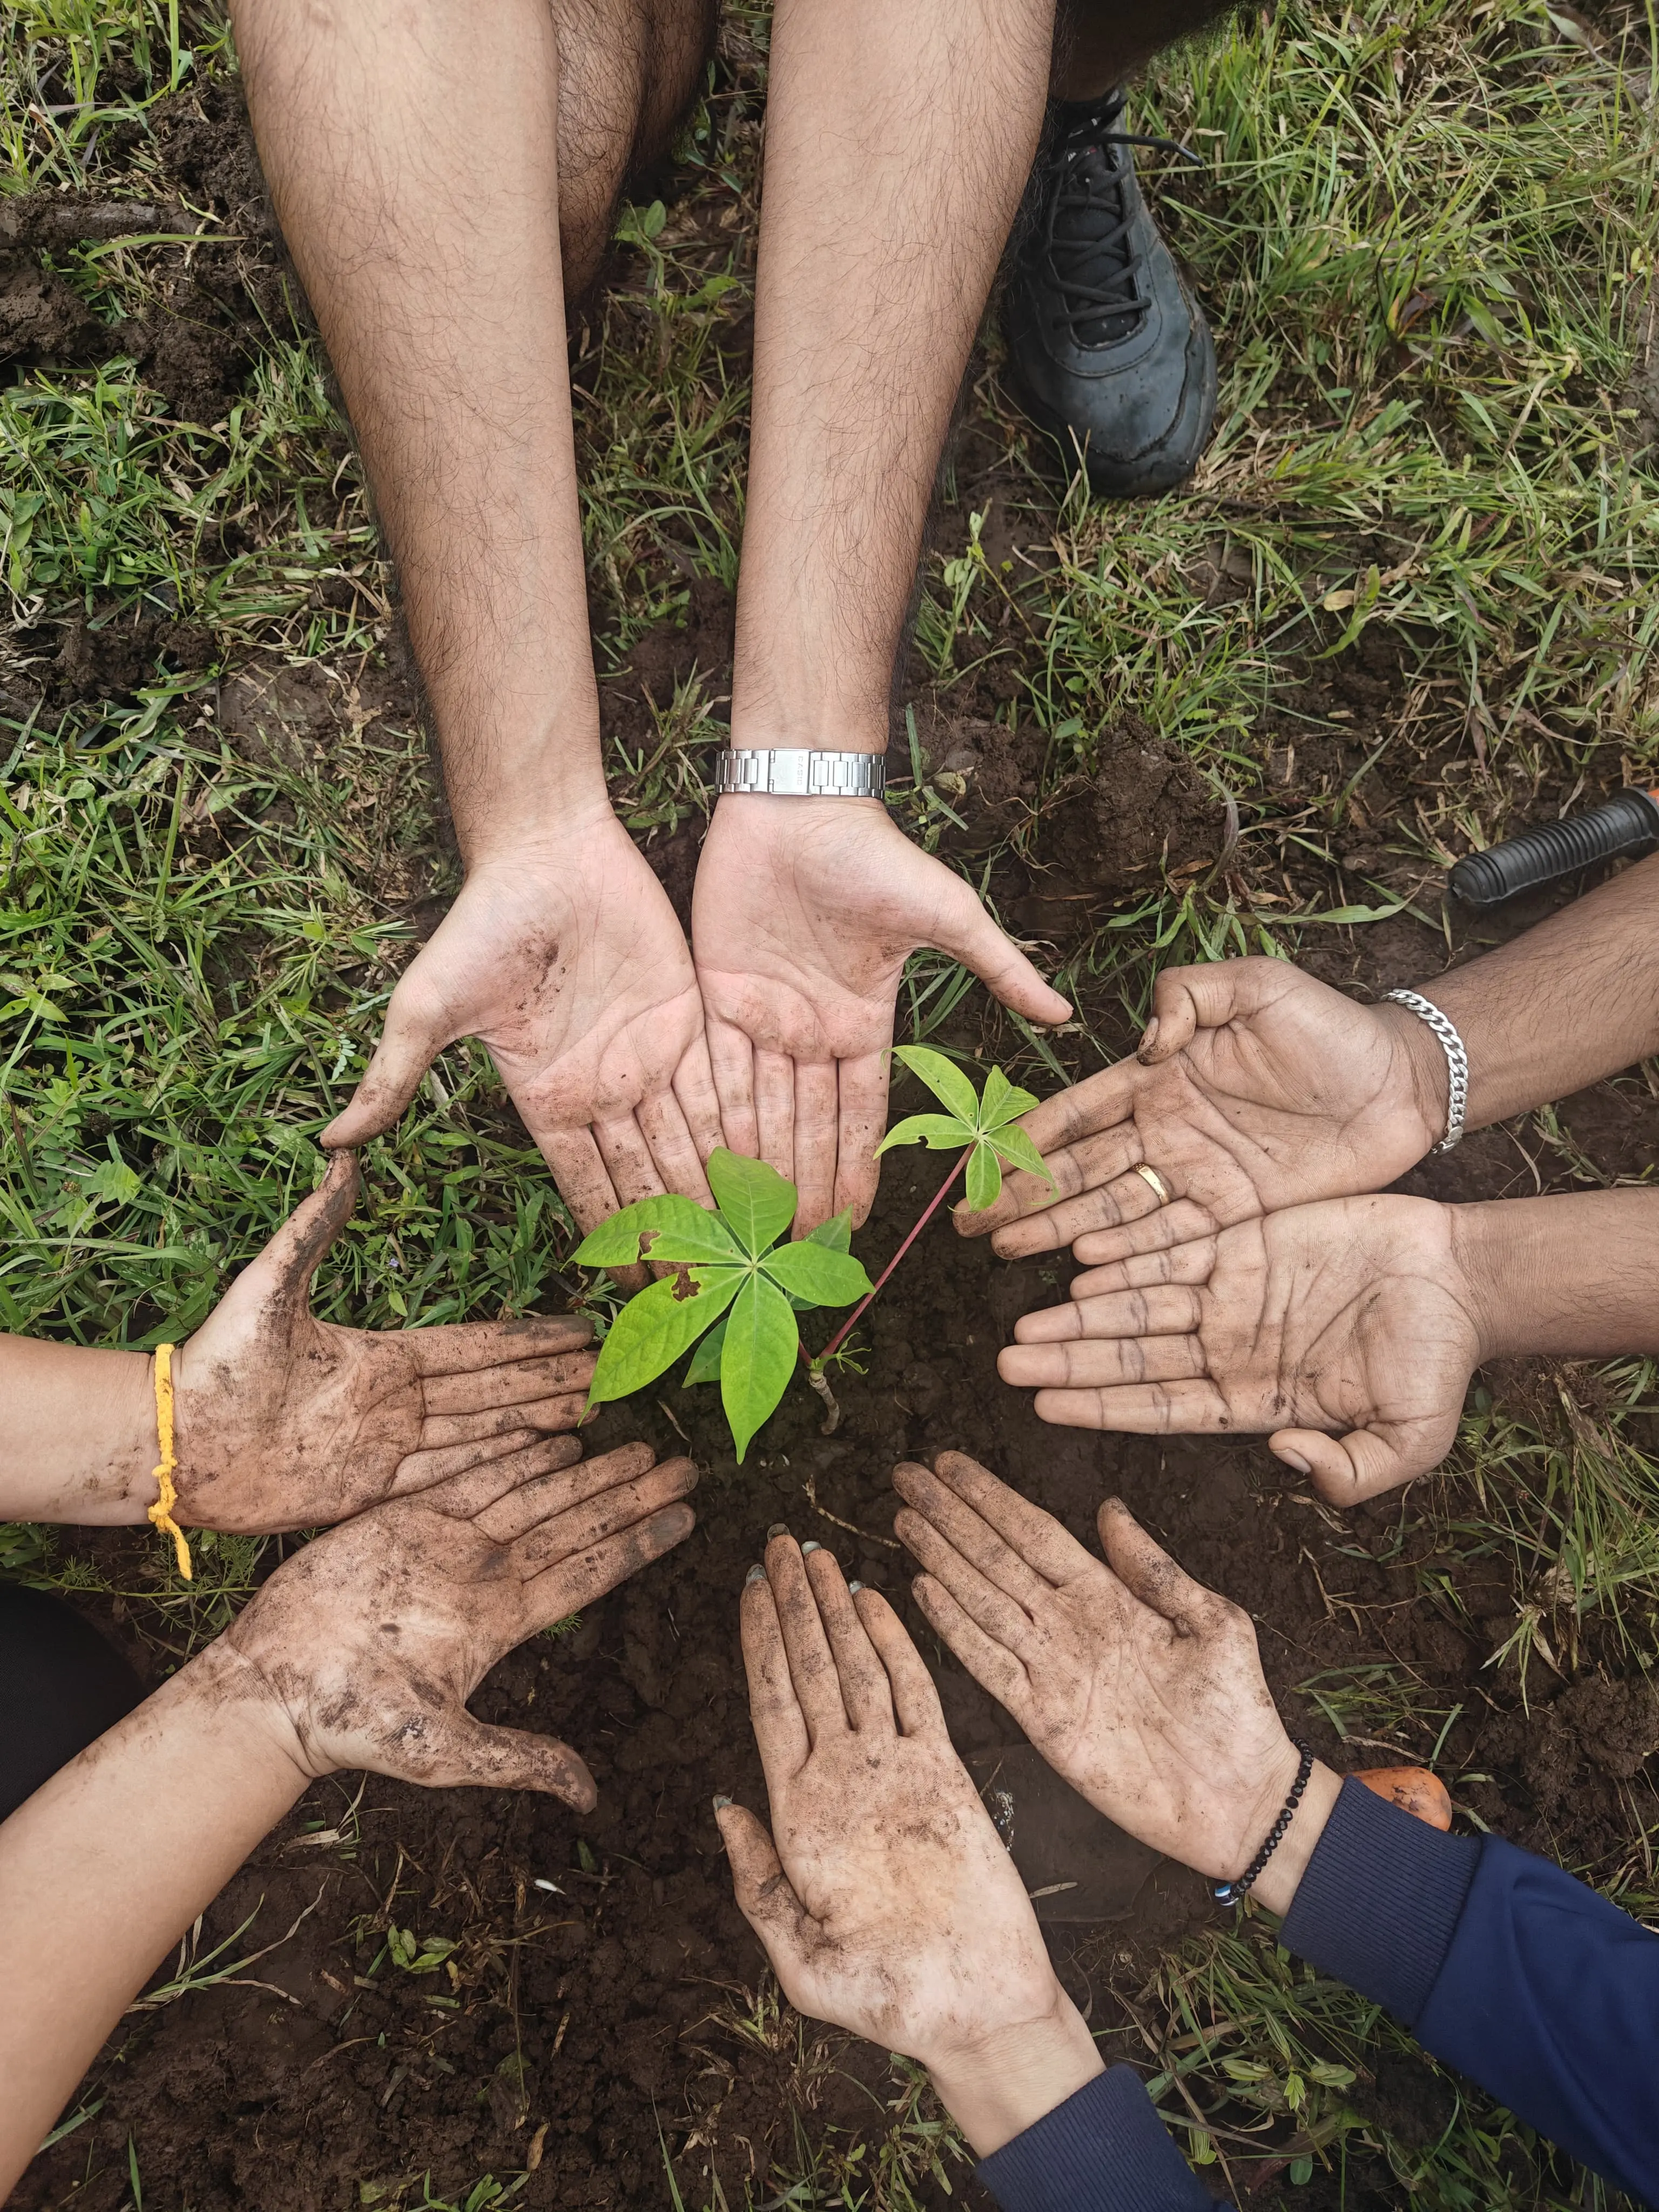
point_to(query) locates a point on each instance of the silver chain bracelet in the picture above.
(1457, 1062)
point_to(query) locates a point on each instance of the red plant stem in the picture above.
(851, 1321)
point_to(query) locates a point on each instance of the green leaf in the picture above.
(705, 1365)
(759, 1358)
(653, 1329)
(940, 1133)
(1003, 1101)
(809, 1271)
(758, 1204)
(615, 1242)
(943, 1078)
(984, 1180)
(836, 1233)
(1013, 1145)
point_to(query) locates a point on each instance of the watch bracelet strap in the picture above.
(796, 772)
(1457, 1061)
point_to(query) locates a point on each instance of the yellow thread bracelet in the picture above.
(161, 1512)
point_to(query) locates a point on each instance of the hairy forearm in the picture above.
(898, 140)
(1573, 1276)
(107, 1864)
(411, 148)
(1567, 1002)
(81, 1443)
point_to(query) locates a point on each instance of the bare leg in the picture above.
(441, 167)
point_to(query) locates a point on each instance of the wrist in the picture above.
(1281, 1877)
(997, 2084)
(1420, 1079)
(235, 1695)
(1570, 1275)
(540, 836)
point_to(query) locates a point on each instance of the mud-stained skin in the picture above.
(882, 1895)
(1140, 1686)
(286, 1422)
(373, 1638)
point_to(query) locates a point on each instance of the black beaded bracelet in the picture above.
(1230, 1893)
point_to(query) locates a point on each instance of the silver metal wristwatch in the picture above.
(793, 772)
(1457, 1060)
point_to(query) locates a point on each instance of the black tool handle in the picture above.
(1626, 825)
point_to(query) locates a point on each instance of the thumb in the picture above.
(969, 934)
(416, 1032)
(284, 1271)
(1187, 1000)
(463, 1752)
(766, 1897)
(1345, 1470)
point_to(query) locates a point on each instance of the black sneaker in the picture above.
(1109, 352)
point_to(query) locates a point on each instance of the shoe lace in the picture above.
(1087, 226)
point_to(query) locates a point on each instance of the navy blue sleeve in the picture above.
(1504, 1967)
(1104, 2150)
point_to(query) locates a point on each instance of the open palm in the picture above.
(1354, 1316)
(804, 913)
(1259, 1087)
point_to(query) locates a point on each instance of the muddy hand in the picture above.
(1254, 1087)
(1140, 1687)
(885, 1899)
(282, 1421)
(1354, 1317)
(568, 964)
(804, 915)
(373, 1638)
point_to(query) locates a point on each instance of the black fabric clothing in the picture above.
(61, 1685)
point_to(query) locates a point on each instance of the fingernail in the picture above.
(720, 1803)
(1148, 1036)
(810, 1545)
(754, 1575)
(1296, 1460)
(777, 1528)
(852, 1589)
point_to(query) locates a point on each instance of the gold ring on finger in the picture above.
(1155, 1182)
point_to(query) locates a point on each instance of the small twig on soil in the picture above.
(810, 1489)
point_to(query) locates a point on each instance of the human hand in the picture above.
(804, 915)
(1139, 1688)
(370, 1640)
(886, 1904)
(282, 1421)
(1256, 1087)
(567, 962)
(1357, 1316)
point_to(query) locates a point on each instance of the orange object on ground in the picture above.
(1414, 1788)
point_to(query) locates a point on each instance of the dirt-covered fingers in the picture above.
(674, 1151)
(462, 1478)
(699, 1097)
(812, 1662)
(963, 1532)
(1346, 1470)
(1098, 1106)
(1179, 1263)
(1168, 1310)
(463, 1752)
(567, 1584)
(765, 1897)
(1003, 1619)
(481, 1389)
(467, 1354)
(1125, 1198)
(732, 1063)
(780, 1725)
(1148, 1573)
(516, 1509)
(1036, 1536)
(865, 1695)
(1169, 1226)
(563, 1411)
(1101, 1363)
(991, 1663)
(627, 1157)
(775, 1110)
(1140, 1409)
(1077, 1171)
(563, 1531)
(916, 1698)
(294, 1253)
(817, 1109)
(580, 1171)
(861, 1093)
